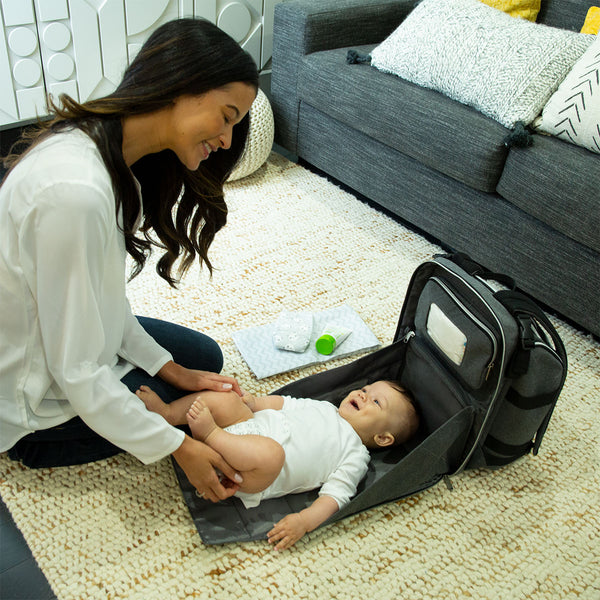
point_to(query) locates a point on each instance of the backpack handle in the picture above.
(466, 263)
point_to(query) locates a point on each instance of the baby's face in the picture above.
(375, 409)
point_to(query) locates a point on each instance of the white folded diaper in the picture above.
(293, 330)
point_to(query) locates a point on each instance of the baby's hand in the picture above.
(287, 531)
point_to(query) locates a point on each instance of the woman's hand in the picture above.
(199, 463)
(195, 381)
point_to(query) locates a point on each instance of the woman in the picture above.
(70, 209)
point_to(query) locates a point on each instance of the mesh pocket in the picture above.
(464, 343)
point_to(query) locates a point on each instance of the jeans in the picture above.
(74, 443)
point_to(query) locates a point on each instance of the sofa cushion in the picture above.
(557, 183)
(507, 68)
(447, 136)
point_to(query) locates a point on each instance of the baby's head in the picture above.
(382, 413)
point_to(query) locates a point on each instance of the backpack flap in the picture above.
(458, 336)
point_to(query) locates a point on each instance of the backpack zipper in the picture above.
(494, 397)
(407, 336)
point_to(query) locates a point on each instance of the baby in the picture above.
(283, 445)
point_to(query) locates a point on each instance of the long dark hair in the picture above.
(184, 209)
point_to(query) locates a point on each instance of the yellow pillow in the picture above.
(592, 21)
(526, 9)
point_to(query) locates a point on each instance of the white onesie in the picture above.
(321, 450)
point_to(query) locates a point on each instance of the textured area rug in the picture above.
(118, 529)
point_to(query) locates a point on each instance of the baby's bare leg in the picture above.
(174, 413)
(227, 408)
(259, 459)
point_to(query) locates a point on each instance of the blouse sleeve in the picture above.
(63, 243)
(140, 348)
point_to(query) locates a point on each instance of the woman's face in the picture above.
(204, 124)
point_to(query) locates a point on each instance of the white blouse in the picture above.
(67, 333)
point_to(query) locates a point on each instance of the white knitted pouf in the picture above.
(260, 138)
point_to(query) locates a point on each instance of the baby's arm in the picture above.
(292, 527)
(256, 403)
(341, 484)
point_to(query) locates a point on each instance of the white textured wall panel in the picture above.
(207, 9)
(86, 45)
(113, 39)
(82, 47)
(8, 102)
(17, 12)
(186, 8)
(31, 102)
(22, 92)
(51, 10)
(142, 14)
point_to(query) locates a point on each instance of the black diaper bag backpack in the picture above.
(485, 366)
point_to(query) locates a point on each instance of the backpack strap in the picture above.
(526, 312)
(498, 454)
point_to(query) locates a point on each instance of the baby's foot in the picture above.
(153, 402)
(200, 420)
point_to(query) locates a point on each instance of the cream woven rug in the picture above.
(117, 529)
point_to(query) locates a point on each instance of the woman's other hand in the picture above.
(200, 463)
(193, 380)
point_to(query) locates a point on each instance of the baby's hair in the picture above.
(397, 386)
(411, 424)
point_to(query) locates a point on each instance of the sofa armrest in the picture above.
(305, 26)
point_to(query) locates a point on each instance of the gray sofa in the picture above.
(441, 166)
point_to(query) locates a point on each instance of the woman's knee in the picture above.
(190, 348)
(209, 358)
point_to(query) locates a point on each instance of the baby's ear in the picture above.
(384, 439)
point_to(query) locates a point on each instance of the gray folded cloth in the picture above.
(293, 330)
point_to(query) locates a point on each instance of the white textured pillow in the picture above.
(573, 112)
(505, 67)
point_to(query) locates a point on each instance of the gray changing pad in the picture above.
(393, 473)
